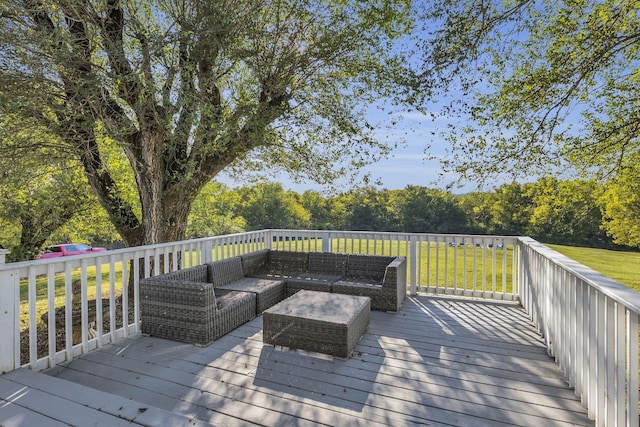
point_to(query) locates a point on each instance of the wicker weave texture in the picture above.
(288, 263)
(387, 293)
(234, 309)
(225, 271)
(178, 310)
(255, 262)
(189, 311)
(364, 289)
(268, 292)
(319, 322)
(295, 285)
(328, 263)
(198, 273)
(395, 281)
(369, 266)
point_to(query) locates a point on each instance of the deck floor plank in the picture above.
(440, 361)
(63, 410)
(112, 409)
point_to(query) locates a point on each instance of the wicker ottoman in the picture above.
(317, 321)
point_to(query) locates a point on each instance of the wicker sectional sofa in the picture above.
(200, 304)
(382, 278)
(185, 306)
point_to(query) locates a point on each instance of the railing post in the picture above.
(326, 242)
(413, 290)
(9, 320)
(3, 254)
(208, 252)
(268, 239)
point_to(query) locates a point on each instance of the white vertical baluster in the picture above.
(413, 254)
(136, 288)
(33, 324)
(632, 369)
(112, 298)
(99, 316)
(125, 292)
(68, 311)
(609, 362)
(51, 321)
(84, 308)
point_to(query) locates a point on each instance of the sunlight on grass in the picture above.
(621, 266)
(42, 302)
(442, 265)
(448, 266)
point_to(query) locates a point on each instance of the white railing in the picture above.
(28, 289)
(464, 265)
(590, 322)
(590, 325)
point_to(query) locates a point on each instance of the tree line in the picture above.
(572, 212)
(569, 212)
(44, 201)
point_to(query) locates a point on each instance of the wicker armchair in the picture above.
(185, 306)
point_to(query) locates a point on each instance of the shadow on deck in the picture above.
(440, 361)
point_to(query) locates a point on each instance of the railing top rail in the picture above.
(122, 251)
(399, 233)
(611, 288)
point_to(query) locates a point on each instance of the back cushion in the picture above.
(191, 274)
(225, 271)
(283, 262)
(320, 262)
(368, 266)
(255, 262)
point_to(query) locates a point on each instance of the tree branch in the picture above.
(113, 34)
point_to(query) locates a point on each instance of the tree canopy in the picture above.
(184, 89)
(620, 204)
(546, 84)
(40, 190)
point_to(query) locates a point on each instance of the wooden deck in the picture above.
(440, 361)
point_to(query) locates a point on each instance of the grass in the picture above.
(42, 302)
(442, 266)
(449, 266)
(621, 266)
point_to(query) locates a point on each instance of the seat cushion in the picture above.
(226, 298)
(268, 292)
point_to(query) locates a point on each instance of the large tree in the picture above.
(546, 84)
(187, 88)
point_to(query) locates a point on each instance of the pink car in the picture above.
(68, 249)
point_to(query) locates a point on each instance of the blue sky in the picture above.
(408, 164)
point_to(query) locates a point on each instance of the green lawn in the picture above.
(623, 267)
(449, 266)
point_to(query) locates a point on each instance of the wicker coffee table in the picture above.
(317, 321)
